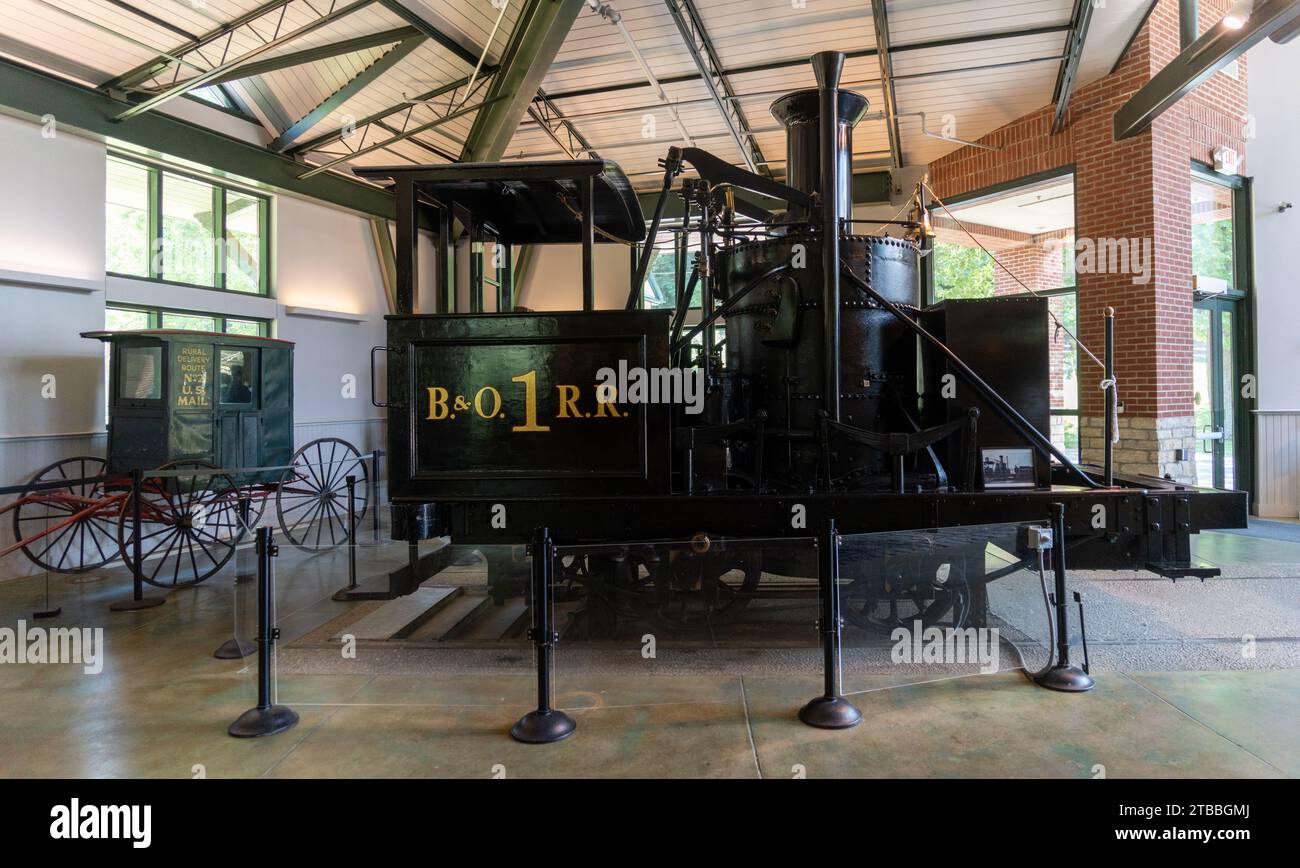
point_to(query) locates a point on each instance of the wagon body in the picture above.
(181, 395)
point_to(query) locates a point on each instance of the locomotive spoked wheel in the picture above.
(312, 499)
(684, 589)
(871, 606)
(84, 544)
(189, 525)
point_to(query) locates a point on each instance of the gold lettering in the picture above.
(530, 403)
(568, 402)
(496, 402)
(437, 404)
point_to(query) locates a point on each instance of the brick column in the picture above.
(1132, 236)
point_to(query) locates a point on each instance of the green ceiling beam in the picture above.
(320, 52)
(359, 82)
(538, 34)
(33, 94)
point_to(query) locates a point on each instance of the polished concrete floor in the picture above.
(162, 703)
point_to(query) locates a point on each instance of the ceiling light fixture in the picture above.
(1239, 14)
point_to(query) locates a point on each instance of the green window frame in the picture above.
(226, 201)
(158, 318)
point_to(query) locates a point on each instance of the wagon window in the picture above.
(238, 376)
(140, 376)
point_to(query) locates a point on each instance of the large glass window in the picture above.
(1212, 232)
(660, 288)
(126, 214)
(1030, 229)
(163, 225)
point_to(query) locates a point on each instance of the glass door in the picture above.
(1214, 394)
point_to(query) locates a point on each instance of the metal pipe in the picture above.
(706, 284)
(1188, 25)
(638, 279)
(827, 65)
(1110, 397)
(586, 201)
(610, 14)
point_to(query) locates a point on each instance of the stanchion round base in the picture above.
(827, 712)
(263, 721)
(48, 613)
(543, 727)
(131, 604)
(235, 649)
(1068, 679)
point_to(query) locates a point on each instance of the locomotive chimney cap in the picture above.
(827, 66)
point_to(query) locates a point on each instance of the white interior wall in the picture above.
(553, 280)
(1274, 70)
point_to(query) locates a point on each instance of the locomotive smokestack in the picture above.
(827, 66)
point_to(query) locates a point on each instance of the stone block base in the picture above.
(1146, 444)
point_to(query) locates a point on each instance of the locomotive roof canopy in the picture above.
(529, 202)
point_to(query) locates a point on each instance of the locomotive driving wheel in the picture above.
(874, 605)
(88, 538)
(312, 498)
(189, 525)
(689, 589)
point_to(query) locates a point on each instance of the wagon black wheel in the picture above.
(312, 499)
(189, 526)
(84, 544)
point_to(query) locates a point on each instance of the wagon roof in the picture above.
(222, 337)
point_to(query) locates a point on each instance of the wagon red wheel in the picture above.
(70, 529)
(189, 525)
(311, 501)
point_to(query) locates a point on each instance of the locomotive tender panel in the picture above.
(497, 405)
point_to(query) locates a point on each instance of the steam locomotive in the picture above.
(834, 403)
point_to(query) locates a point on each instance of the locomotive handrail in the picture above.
(1010, 415)
(375, 403)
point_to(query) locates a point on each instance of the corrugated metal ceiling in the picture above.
(763, 46)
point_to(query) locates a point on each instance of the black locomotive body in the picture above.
(831, 395)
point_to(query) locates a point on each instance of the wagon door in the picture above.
(137, 431)
(239, 413)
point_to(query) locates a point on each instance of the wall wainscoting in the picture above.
(1277, 448)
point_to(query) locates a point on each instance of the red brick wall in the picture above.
(1138, 190)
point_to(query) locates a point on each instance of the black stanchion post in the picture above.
(1062, 676)
(352, 532)
(236, 647)
(266, 718)
(1109, 376)
(831, 710)
(374, 486)
(138, 599)
(546, 724)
